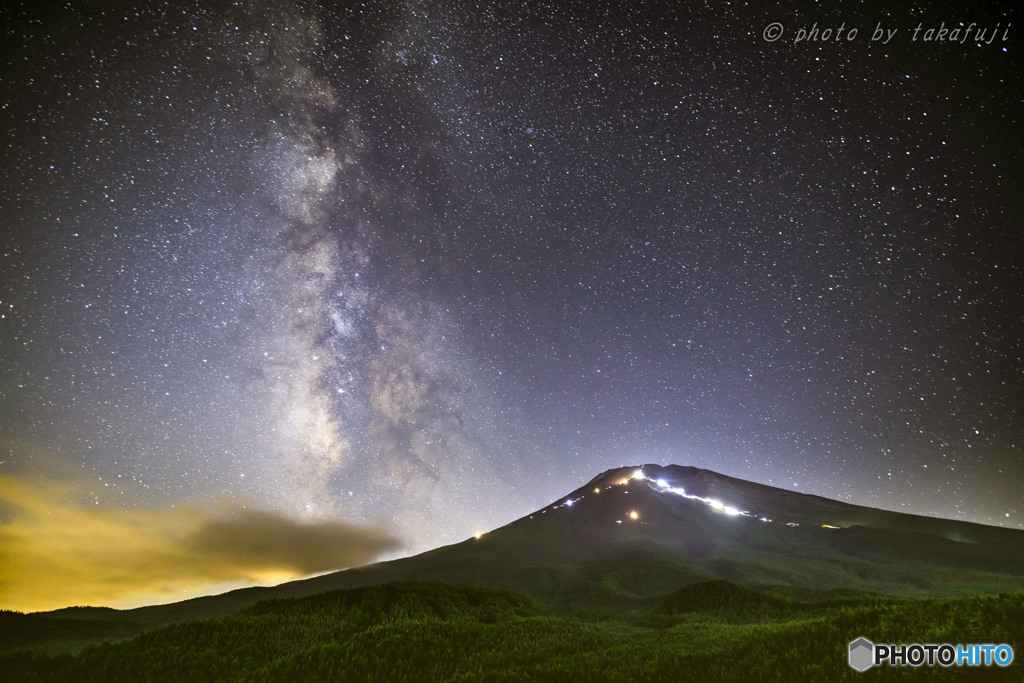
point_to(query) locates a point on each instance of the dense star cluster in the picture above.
(424, 267)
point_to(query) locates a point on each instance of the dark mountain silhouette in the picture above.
(639, 531)
(634, 535)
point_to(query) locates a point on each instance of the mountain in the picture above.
(638, 531)
(633, 535)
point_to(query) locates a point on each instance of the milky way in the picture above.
(424, 267)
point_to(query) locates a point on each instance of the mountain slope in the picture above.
(642, 530)
(633, 534)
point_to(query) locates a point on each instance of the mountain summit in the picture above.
(638, 531)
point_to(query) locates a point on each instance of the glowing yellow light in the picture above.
(272, 576)
(477, 537)
(829, 526)
(634, 515)
(597, 490)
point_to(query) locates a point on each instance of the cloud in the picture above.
(56, 551)
(256, 538)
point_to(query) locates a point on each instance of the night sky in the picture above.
(288, 287)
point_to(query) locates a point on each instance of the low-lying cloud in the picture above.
(55, 553)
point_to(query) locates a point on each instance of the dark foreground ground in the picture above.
(713, 630)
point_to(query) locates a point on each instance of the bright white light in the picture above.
(569, 502)
(716, 505)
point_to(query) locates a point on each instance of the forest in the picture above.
(411, 631)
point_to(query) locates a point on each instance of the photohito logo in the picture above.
(864, 654)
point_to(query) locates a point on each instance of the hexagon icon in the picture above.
(862, 654)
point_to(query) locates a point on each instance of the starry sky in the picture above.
(292, 286)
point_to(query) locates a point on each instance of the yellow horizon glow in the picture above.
(56, 551)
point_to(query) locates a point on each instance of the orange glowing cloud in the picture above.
(55, 553)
